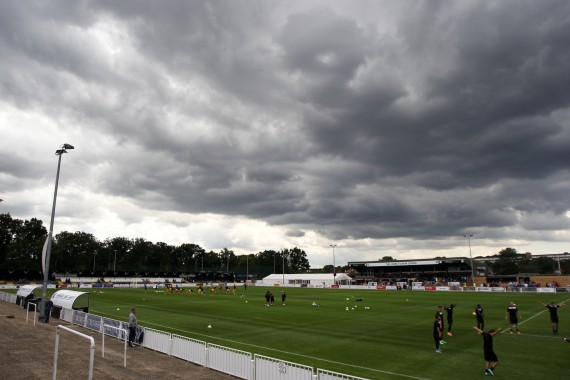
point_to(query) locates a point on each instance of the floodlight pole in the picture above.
(58, 153)
(334, 265)
(115, 262)
(469, 236)
(283, 266)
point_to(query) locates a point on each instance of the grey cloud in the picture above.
(454, 119)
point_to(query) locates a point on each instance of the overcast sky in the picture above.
(388, 128)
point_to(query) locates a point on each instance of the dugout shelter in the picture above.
(71, 299)
(26, 293)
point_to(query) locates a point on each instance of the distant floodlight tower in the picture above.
(284, 252)
(469, 236)
(64, 148)
(334, 265)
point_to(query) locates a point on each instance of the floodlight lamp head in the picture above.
(64, 149)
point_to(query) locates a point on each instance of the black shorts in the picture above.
(490, 356)
(514, 321)
(554, 320)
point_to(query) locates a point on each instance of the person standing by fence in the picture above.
(132, 326)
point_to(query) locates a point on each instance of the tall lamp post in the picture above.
(469, 236)
(115, 262)
(63, 149)
(334, 265)
(284, 266)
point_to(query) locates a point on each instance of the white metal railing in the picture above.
(157, 340)
(323, 374)
(228, 360)
(28, 311)
(56, 354)
(119, 331)
(267, 368)
(8, 297)
(189, 349)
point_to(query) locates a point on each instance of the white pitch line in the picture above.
(292, 353)
(540, 336)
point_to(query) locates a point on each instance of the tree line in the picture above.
(21, 243)
(510, 262)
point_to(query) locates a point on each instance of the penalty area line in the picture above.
(293, 353)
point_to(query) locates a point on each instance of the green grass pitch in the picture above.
(388, 335)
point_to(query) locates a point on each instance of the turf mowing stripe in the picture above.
(293, 353)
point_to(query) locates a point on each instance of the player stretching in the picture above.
(553, 309)
(491, 360)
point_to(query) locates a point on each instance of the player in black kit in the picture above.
(491, 360)
(437, 332)
(480, 315)
(439, 313)
(553, 309)
(449, 310)
(513, 316)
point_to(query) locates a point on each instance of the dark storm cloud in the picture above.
(438, 118)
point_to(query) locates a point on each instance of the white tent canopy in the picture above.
(26, 290)
(71, 299)
(306, 279)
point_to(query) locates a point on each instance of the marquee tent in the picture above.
(306, 279)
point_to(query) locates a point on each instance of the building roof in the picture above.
(396, 263)
(308, 276)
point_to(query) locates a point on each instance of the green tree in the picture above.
(186, 257)
(74, 252)
(115, 251)
(26, 248)
(298, 261)
(545, 265)
(505, 266)
(9, 228)
(508, 253)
